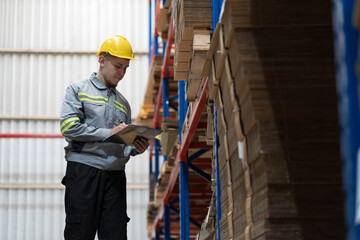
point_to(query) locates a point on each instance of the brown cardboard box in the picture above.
(169, 135)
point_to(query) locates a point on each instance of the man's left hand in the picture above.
(141, 144)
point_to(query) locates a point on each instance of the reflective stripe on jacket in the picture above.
(89, 112)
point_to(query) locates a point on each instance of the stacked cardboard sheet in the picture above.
(163, 20)
(273, 81)
(169, 139)
(146, 114)
(189, 17)
(162, 182)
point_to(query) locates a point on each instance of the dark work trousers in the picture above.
(95, 200)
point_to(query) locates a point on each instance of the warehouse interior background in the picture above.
(258, 102)
(44, 46)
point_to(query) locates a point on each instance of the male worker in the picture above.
(92, 110)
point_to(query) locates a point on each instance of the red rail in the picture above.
(169, 43)
(187, 137)
(164, 73)
(30, 135)
(183, 148)
(194, 118)
(157, 107)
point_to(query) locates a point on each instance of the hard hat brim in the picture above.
(125, 57)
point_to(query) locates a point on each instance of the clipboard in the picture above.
(128, 134)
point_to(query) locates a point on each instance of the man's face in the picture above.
(113, 69)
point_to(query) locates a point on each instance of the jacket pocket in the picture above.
(72, 228)
(120, 117)
(95, 113)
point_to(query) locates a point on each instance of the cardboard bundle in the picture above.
(208, 231)
(169, 136)
(151, 212)
(273, 13)
(189, 16)
(163, 180)
(162, 24)
(200, 47)
(272, 77)
(146, 114)
(292, 163)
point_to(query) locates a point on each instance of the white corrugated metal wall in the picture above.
(44, 46)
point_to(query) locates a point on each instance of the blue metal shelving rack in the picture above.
(346, 51)
(182, 163)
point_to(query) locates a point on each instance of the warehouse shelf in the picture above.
(260, 177)
(185, 198)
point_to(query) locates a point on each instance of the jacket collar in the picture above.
(97, 82)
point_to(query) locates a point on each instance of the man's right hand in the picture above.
(117, 128)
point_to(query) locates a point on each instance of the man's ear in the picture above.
(102, 60)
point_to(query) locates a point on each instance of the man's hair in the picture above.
(106, 55)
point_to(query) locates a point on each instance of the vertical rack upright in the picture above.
(346, 50)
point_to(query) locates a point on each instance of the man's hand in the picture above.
(117, 128)
(141, 144)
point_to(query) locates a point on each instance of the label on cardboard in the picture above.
(241, 151)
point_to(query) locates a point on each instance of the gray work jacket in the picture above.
(89, 112)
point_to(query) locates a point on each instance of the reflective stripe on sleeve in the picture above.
(68, 123)
(120, 106)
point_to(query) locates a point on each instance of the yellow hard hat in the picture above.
(117, 46)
